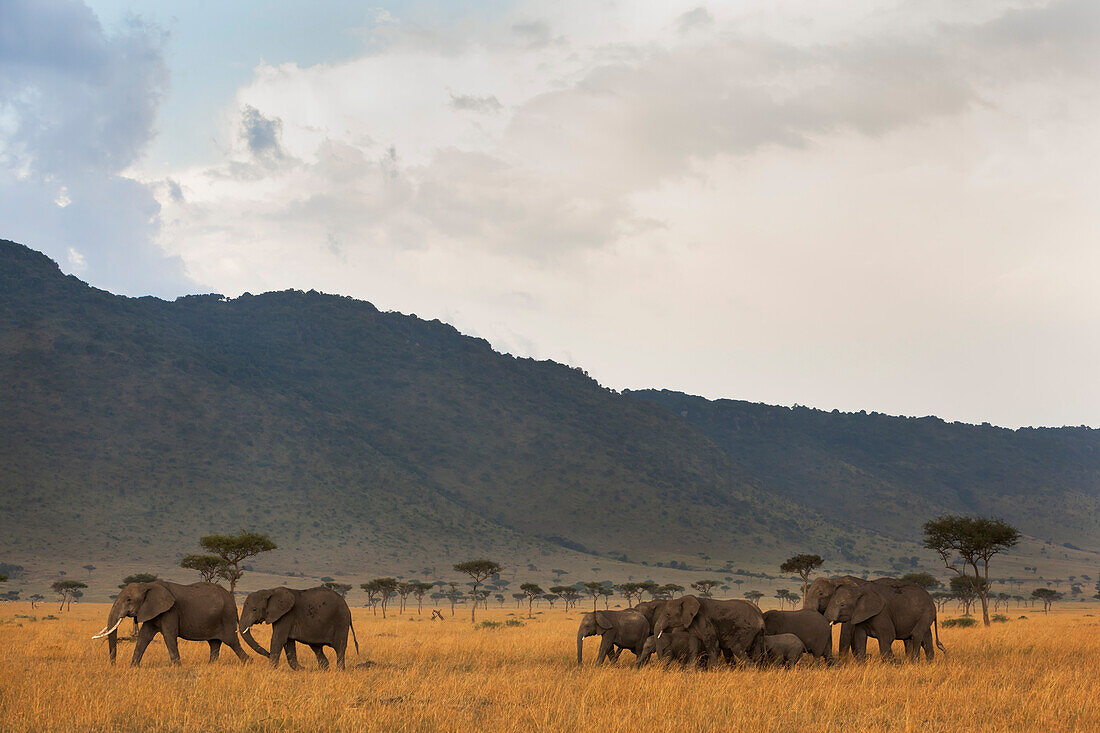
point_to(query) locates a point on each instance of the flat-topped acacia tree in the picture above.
(803, 565)
(207, 566)
(974, 540)
(479, 571)
(233, 549)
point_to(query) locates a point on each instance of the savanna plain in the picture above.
(1034, 673)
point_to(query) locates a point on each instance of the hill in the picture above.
(890, 472)
(369, 442)
(358, 439)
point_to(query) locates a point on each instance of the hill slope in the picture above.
(886, 472)
(357, 438)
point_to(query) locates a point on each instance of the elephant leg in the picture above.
(291, 651)
(847, 642)
(215, 647)
(928, 646)
(145, 635)
(858, 642)
(606, 644)
(278, 642)
(885, 642)
(319, 652)
(169, 631)
(341, 647)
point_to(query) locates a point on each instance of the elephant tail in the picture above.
(936, 626)
(352, 627)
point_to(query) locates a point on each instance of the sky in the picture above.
(874, 205)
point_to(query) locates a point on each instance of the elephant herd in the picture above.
(691, 630)
(688, 630)
(317, 617)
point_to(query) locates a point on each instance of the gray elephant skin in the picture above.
(317, 617)
(196, 612)
(817, 599)
(815, 633)
(625, 629)
(886, 609)
(733, 628)
(672, 646)
(783, 649)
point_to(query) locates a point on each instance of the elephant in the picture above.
(887, 609)
(733, 628)
(817, 599)
(784, 649)
(196, 612)
(625, 629)
(677, 646)
(318, 617)
(810, 627)
(649, 609)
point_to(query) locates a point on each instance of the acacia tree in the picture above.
(207, 566)
(479, 571)
(235, 549)
(668, 590)
(924, 580)
(704, 587)
(419, 590)
(965, 588)
(595, 590)
(35, 600)
(531, 591)
(453, 594)
(137, 578)
(67, 589)
(371, 589)
(404, 590)
(754, 596)
(606, 593)
(803, 566)
(1047, 596)
(341, 588)
(784, 596)
(385, 587)
(974, 540)
(629, 591)
(89, 568)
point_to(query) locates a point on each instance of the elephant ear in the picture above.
(280, 602)
(157, 600)
(868, 605)
(688, 609)
(603, 620)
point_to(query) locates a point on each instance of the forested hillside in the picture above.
(369, 441)
(355, 437)
(883, 470)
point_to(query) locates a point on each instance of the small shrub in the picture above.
(51, 617)
(513, 622)
(963, 621)
(488, 625)
(999, 618)
(1023, 617)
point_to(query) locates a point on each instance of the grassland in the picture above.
(1038, 673)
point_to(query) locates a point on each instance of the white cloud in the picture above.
(866, 209)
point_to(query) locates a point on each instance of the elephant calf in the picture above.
(809, 626)
(678, 646)
(784, 649)
(318, 617)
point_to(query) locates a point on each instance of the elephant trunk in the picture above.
(580, 646)
(114, 618)
(246, 634)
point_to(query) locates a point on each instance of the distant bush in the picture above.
(960, 621)
(488, 625)
(999, 618)
(513, 622)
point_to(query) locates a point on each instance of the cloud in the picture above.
(261, 134)
(472, 103)
(770, 191)
(78, 106)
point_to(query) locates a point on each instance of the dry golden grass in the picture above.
(1041, 673)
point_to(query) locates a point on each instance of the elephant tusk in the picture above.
(659, 634)
(106, 631)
